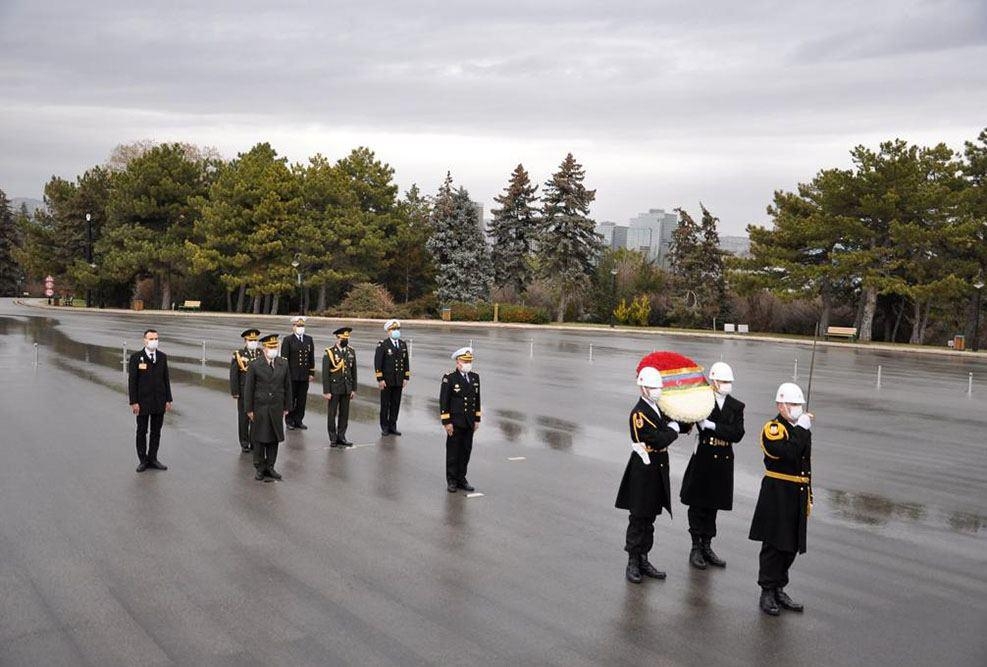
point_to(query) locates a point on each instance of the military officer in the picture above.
(459, 408)
(150, 398)
(707, 485)
(238, 373)
(392, 369)
(339, 385)
(645, 488)
(785, 499)
(299, 349)
(267, 400)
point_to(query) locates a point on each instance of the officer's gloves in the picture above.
(707, 425)
(640, 451)
(674, 426)
(805, 421)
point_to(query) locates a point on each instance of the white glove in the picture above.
(708, 425)
(640, 451)
(674, 426)
(805, 421)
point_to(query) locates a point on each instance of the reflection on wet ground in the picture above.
(873, 510)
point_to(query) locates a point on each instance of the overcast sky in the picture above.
(665, 103)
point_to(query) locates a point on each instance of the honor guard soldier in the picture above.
(645, 487)
(238, 373)
(459, 407)
(339, 385)
(267, 400)
(707, 485)
(392, 369)
(785, 500)
(299, 349)
(150, 398)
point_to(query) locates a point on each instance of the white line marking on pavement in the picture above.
(474, 495)
(516, 458)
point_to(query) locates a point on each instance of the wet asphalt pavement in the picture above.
(362, 557)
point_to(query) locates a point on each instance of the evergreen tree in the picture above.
(512, 230)
(410, 269)
(457, 247)
(685, 258)
(10, 273)
(714, 283)
(568, 244)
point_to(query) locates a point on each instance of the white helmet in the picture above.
(721, 372)
(649, 377)
(789, 392)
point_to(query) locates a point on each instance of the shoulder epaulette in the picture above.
(774, 430)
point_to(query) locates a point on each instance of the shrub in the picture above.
(509, 312)
(424, 307)
(366, 300)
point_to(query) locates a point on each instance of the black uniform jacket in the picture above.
(238, 368)
(708, 479)
(391, 364)
(645, 489)
(267, 393)
(459, 400)
(338, 370)
(300, 355)
(783, 505)
(149, 384)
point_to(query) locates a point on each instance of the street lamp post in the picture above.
(976, 318)
(89, 255)
(296, 263)
(613, 294)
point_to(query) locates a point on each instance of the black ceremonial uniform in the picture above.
(783, 504)
(301, 366)
(150, 387)
(645, 488)
(267, 394)
(238, 375)
(392, 366)
(707, 485)
(459, 405)
(339, 380)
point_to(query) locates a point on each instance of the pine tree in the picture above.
(9, 270)
(714, 279)
(687, 262)
(457, 247)
(512, 230)
(568, 244)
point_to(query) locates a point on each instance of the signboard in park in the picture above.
(49, 286)
(49, 292)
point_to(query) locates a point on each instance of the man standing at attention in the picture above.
(150, 398)
(238, 373)
(339, 385)
(299, 349)
(267, 398)
(392, 370)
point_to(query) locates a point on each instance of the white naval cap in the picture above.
(298, 318)
(464, 353)
(392, 324)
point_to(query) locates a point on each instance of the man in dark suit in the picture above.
(267, 399)
(339, 385)
(392, 367)
(238, 374)
(707, 485)
(459, 408)
(150, 398)
(299, 349)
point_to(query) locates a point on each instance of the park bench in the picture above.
(190, 305)
(850, 333)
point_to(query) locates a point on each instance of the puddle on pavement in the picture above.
(873, 510)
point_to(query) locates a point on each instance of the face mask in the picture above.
(300, 331)
(271, 352)
(724, 388)
(343, 343)
(795, 411)
(396, 334)
(467, 368)
(251, 345)
(654, 393)
(152, 344)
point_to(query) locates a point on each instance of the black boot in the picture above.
(785, 602)
(633, 572)
(710, 555)
(696, 558)
(648, 569)
(768, 604)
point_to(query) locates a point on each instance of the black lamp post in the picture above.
(89, 255)
(296, 263)
(976, 318)
(613, 294)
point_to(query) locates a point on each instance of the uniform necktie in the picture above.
(466, 377)
(153, 359)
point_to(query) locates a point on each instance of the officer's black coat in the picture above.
(339, 370)
(238, 369)
(645, 489)
(782, 507)
(149, 384)
(708, 479)
(459, 401)
(267, 393)
(300, 356)
(392, 365)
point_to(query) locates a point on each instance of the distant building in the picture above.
(739, 246)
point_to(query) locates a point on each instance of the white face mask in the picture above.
(395, 334)
(300, 331)
(271, 352)
(466, 367)
(654, 393)
(251, 345)
(152, 344)
(724, 388)
(795, 411)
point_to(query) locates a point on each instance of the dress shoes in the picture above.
(290, 426)
(142, 466)
(452, 487)
(245, 448)
(345, 443)
(785, 602)
(633, 571)
(767, 603)
(696, 558)
(157, 465)
(466, 486)
(650, 570)
(259, 476)
(274, 474)
(301, 426)
(395, 432)
(710, 556)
